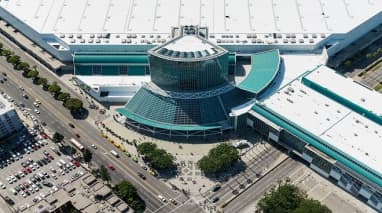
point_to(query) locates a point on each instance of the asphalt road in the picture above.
(256, 191)
(257, 164)
(57, 118)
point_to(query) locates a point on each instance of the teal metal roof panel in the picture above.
(167, 126)
(333, 152)
(265, 67)
(92, 58)
(110, 59)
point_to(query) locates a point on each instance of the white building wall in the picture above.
(356, 33)
(9, 122)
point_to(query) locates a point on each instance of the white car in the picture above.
(36, 104)
(36, 111)
(53, 176)
(2, 185)
(94, 146)
(162, 198)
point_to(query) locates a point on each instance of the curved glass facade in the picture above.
(189, 75)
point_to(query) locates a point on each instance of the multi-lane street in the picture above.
(246, 199)
(258, 162)
(57, 118)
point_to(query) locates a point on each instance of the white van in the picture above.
(114, 153)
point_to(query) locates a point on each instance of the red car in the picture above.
(76, 163)
(51, 157)
(28, 169)
(44, 135)
(111, 167)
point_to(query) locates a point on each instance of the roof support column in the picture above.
(235, 123)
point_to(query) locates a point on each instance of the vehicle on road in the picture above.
(215, 199)
(77, 144)
(153, 173)
(162, 198)
(142, 176)
(216, 188)
(9, 200)
(111, 167)
(71, 125)
(37, 101)
(36, 111)
(114, 153)
(173, 201)
(78, 135)
(93, 146)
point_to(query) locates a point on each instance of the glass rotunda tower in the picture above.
(189, 94)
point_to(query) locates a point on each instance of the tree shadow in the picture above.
(168, 173)
(224, 175)
(81, 114)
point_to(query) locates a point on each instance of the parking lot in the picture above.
(34, 169)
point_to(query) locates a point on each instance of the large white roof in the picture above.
(189, 43)
(347, 88)
(225, 19)
(336, 124)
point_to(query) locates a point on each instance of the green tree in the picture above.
(147, 147)
(311, 206)
(127, 192)
(283, 199)
(63, 96)
(104, 174)
(22, 66)
(54, 88)
(159, 158)
(32, 74)
(1, 46)
(287, 198)
(87, 155)
(73, 104)
(42, 81)
(57, 137)
(6, 52)
(13, 59)
(218, 158)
